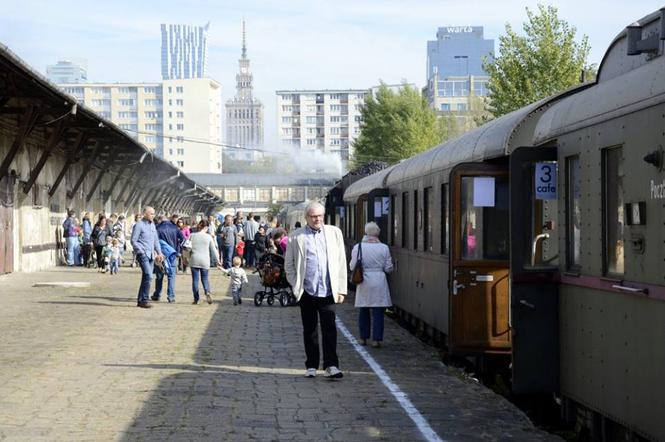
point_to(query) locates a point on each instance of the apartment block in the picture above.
(180, 120)
(324, 120)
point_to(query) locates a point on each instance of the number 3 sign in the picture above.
(545, 181)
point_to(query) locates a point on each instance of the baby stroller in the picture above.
(271, 271)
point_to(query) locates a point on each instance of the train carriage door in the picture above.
(479, 266)
(534, 269)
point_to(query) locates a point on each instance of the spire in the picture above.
(244, 44)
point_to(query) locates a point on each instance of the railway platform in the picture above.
(83, 363)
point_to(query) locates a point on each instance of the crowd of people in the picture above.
(314, 262)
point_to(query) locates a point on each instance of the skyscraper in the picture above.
(184, 51)
(458, 51)
(455, 73)
(244, 112)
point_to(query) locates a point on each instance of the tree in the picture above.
(395, 126)
(275, 209)
(544, 61)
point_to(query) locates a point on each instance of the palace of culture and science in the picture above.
(244, 113)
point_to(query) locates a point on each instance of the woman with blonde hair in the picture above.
(373, 294)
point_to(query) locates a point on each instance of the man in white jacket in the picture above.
(315, 264)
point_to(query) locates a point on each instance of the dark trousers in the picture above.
(373, 321)
(311, 309)
(250, 260)
(147, 266)
(86, 251)
(99, 251)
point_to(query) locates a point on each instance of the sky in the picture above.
(292, 44)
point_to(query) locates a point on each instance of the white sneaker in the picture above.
(310, 373)
(333, 372)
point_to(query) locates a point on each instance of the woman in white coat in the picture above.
(373, 294)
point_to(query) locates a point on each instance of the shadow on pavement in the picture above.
(96, 304)
(106, 298)
(246, 382)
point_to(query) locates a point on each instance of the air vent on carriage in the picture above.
(651, 44)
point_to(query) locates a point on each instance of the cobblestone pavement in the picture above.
(86, 364)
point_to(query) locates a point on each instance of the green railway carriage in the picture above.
(539, 238)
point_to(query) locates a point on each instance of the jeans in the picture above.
(73, 250)
(115, 265)
(311, 309)
(220, 247)
(195, 281)
(235, 292)
(228, 256)
(146, 276)
(170, 276)
(376, 322)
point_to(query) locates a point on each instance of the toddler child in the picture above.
(116, 250)
(238, 277)
(107, 252)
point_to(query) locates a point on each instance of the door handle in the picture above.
(528, 304)
(457, 286)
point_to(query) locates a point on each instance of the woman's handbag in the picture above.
(357, 274)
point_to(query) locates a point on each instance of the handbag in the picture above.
(357, 274)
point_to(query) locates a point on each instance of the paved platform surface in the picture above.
(87, 364)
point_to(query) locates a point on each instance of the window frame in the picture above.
(570, 238)
(445, 219)
(605, 214)
(428, 234)
(405, 225)
(393, 220)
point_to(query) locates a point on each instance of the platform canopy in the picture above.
(88, 137)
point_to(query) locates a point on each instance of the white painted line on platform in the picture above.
(420, 421)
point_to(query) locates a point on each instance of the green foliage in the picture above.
(274, 209)
(395, 126)
(544, 61)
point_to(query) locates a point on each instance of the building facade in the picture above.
(257, 192)
(455, 71)
(184, 51)
(325, 120)
(180, 120)
(244, 112)
(67, 71)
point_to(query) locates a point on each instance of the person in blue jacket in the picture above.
(170, 240)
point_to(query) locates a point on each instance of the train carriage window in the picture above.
(445, 220)
(346, 221)
(428, 199)
(352, 213)
(484, 226)
(573, 211)
(613, 211)
(393, 218)
(405, 209)
(417, 220)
